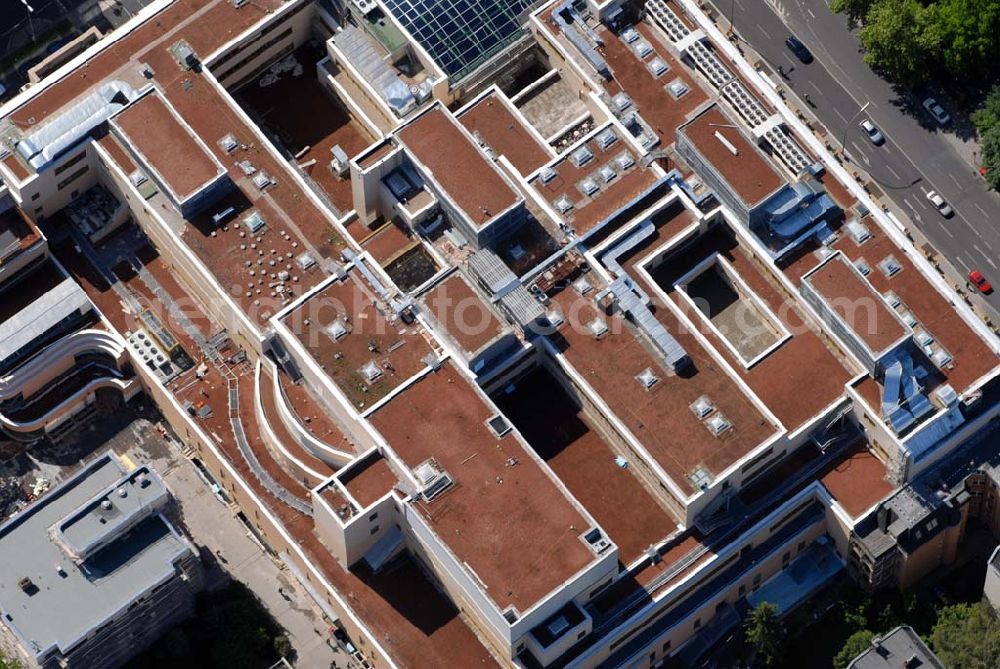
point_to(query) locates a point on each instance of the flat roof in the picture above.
(857, 304)
(743, 166)
(627, 184)
(803, 360)
(563, 434)
(167, 147)
(17, 232)
(48, 310)
(973, 358)
(369, 480)
(347, 326)
(661, 417)
(63, 608)
(896, 650)
(658, 107)
(492, 119)
(514, 528)
(462, 171)
(463, 313)
(857, 480)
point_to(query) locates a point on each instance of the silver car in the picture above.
(874, 134)
(937, 111)
(943, 207)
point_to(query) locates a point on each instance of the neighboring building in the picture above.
(94, 572)
(991, 588)
(901, 648)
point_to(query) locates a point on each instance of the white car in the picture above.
(943, 208)
(937, 111)
(874, 134)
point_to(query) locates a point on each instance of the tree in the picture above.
(990, 156)
(899, 38)
(854, 10)
(856, 644)
(988, 114)
(968, 32)
(283, 646)
(764, 633)
(967, 636)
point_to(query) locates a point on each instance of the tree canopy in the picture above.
(764, 632)
(856, 644)
(967, 636)
(907, 39)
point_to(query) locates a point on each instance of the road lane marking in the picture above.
(958, 185)
(837, 112)
(766, 34)
(894, 172)
(810, 13)
(981, 210)
(947, 231)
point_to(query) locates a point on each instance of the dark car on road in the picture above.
(799, 49)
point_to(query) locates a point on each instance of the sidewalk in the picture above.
(212, 525)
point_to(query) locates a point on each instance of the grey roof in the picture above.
(494, 275)
(899, 649)
(63, 130)
(69, 599)
(522, 306)
(41, 315)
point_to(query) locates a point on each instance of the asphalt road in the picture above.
(917, 156)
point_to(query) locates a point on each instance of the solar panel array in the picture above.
(461, 35)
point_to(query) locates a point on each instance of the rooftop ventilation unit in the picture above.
(647, 378)
(924, 339)
(582, 286)
(597, 541)
(621, 102)
(305, 261)
(862, 266)
(340, 164)
(946, 395)
(498, 425)
(630, 35)
(554, 318)
(338, 330)
(371, 371)
(890, 266)
(589, 187)
(858, 231)
(718, 424)
(657, 66)
(701, 478)
(564, 204)
(606, 138)
(432, 479)
(547, 174)
(941, 358)
(624, 160)
(598, 327)
(137, 178)
(891, 298)
(582, 156)
(908, 318)
(643, 49)
(254, 222)
(702, 406)
(229, 143)
(262, 180)
(607, 173)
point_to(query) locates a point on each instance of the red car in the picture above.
(980, 282)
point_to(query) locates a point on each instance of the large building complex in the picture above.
(527, 334)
